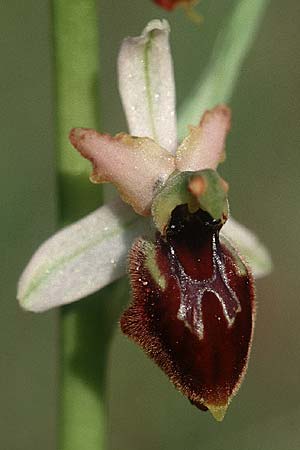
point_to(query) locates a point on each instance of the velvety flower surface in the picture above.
(193, 308)
(193, 297)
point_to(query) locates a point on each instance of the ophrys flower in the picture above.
(193, 301)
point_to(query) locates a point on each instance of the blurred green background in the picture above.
(145, 412)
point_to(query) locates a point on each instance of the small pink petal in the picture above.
(204, 147)
(136, 166)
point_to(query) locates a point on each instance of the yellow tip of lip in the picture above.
(218, 411)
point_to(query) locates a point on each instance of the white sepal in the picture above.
(146, 85)
(81, 258)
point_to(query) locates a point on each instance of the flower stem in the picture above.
(86, 327)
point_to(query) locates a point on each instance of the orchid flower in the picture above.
(193, 293)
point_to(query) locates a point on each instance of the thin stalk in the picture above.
(86, 327)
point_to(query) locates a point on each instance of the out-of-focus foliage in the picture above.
(265, 121)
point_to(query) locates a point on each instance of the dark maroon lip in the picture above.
(197, 326)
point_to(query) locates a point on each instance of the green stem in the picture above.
(86, 327)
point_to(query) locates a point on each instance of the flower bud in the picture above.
(171, 4)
